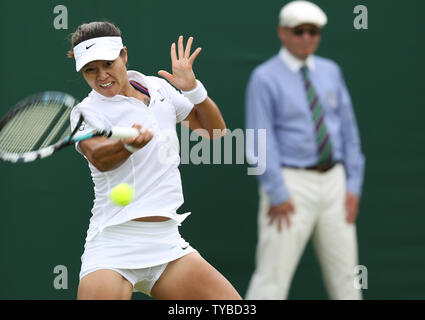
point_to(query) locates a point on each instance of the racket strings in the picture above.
(35, 126)
(58, 132)
(11, 136)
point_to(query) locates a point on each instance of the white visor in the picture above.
(103, 48)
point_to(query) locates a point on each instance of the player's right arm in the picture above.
(108, 154)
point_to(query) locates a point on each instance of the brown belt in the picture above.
(321, 167)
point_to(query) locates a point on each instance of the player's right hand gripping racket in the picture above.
(40, 125)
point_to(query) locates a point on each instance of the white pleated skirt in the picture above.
(134, 245)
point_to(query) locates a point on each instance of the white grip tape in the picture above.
(131, 148)
(123, 133)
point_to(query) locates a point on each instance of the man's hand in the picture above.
(280, 212)
(183, 77)
(352, 206)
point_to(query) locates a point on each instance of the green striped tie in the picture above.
(324, 147)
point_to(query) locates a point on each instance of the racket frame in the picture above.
(69, 102)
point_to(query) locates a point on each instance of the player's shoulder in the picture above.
(156, 81)
(152, 82)
(163, 87)
(87, 103)
(159, 83)
(88, 106)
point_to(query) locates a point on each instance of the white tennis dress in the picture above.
(113, 240)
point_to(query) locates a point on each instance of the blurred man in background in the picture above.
(315, 166)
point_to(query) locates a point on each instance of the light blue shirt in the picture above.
(276, 100)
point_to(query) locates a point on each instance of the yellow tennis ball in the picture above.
(122, 194)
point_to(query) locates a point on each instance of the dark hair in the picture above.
(92, 30)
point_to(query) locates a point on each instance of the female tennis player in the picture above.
(138, 247)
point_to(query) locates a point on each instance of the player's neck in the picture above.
(128, 90)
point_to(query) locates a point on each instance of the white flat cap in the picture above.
(299, 12)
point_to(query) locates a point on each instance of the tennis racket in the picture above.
(40, 125)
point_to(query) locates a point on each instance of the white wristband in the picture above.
(197, 95)
(131, 148)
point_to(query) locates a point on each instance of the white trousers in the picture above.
(319, 200)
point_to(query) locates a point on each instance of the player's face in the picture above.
(301, 41)
(108, 78)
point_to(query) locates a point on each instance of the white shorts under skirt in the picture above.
(139, 251)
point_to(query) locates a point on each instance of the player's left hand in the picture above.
(352, 206)
(183, 77)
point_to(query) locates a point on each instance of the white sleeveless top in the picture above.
(153, 170)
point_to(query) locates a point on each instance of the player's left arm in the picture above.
(205, 115)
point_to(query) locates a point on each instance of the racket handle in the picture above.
(123, 133)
